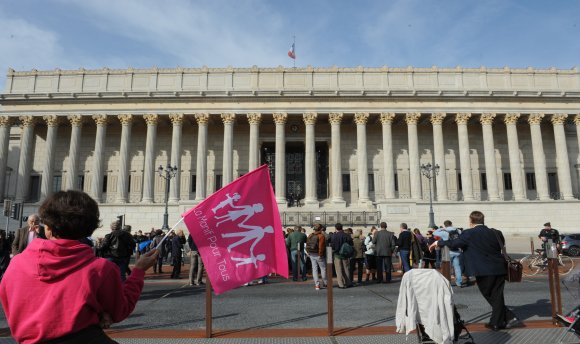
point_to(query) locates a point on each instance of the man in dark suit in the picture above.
(385, 243)
(484, 260)
(25, 235)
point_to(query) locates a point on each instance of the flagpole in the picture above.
(294, 45)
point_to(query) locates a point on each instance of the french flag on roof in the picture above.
(291, 52)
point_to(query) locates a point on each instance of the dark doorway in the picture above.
(295, 170)
(321, 170)
(553, 186)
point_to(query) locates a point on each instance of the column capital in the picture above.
(26, 121)
(577, 119)
(487, 118)
(361, 118)
(228, 117)
(151, 118)
(254, 117)
(412, 117)
(535, 118)
(280, 117)
(100, 119)
(559, 118)
(335, 117)
(462, 117)
(202, 117)
(511, 118)
(51, 120)
(125, 119)
(387, 117)
(176, 118)
(310, 118)
(5, 121)
(75, 120)
(437, 118)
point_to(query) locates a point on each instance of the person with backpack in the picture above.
(340, 243)
(358, 258)
(118, 247)
(316, 249)
(295, 243)
(158, 267)
(451, 233)
(404, 243)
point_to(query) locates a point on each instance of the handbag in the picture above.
(514, 268)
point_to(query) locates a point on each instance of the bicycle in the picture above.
(534, 263)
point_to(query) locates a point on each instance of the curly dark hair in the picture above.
(70, 214)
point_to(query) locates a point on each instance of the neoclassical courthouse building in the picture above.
(343, 144)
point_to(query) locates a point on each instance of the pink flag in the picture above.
(239, 233)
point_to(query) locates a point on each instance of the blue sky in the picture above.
(70, 34)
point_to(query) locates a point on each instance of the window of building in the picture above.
(105, 184)
(218, 181)
(56, 183)
(371, 182)
(459, 183)
(193, 182)
(34, 189)
(346, 182)
(531, 181)
(81, 182)
(484, 181)
(396, 180)
(507, 181)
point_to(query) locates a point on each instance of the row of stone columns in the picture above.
(310, 119)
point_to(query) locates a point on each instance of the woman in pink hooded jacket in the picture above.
(57, 290)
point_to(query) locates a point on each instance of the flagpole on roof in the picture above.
(294, 45)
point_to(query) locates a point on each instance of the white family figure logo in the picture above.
(248, 232)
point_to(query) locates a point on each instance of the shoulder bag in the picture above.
(514, 268)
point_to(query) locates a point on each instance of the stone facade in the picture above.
(340, 141)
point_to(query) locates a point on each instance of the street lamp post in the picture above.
(167, 173)
(430, 171)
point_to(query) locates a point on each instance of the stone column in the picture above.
(27, 125)
(227, 166)
(76, 123)
(464, 156)
(48, 168)
(535, 120)
(361, 119)
(335, 118)
(439, 152)
(388, 165)
(310, 159)
(175, 185)
(414, 168)
(486, 120)
(201, 165)
(4, 145)
(149, 166)
(98, 165)
(254, 119)
(562, 162)
(280, 163)
(577, 122)
(514, 154)
(122, 192)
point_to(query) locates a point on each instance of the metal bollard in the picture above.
(329, 299)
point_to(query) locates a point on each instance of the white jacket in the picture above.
(425, 297)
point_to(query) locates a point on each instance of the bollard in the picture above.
(330, 302)
(554, 279)
(532, 248)
(445, 263)
(208, 308)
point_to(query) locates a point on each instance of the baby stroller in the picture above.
(426, 305)
(571, 319)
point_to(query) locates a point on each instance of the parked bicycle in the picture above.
(535, 263)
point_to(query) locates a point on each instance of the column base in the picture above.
(147, 201)
(365, 202)
(339, 202)
(311, 203)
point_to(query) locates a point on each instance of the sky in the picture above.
(92, 34)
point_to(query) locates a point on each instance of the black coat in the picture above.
(481, 250)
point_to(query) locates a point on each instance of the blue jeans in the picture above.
(405, 260)
(293, 254)
(456, 262)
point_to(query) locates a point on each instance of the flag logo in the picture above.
(239, 233)
(291, 52)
